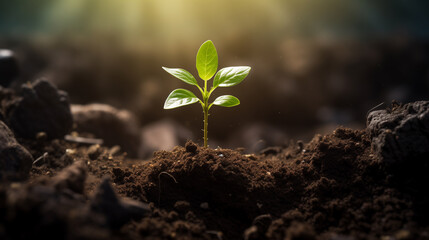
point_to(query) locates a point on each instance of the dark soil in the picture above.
(330, 188)
(350, 184)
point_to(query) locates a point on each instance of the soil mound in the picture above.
(332, 185)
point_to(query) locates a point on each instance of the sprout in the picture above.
(207, 64)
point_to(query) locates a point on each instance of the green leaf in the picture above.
(182, 74)
(226, 101)
(230, 76)
(207, 60)
(179, 97)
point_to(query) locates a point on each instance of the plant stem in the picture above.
(206, 123)
(206, 113)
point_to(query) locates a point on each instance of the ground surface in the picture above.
(350, 184)
(329, 188)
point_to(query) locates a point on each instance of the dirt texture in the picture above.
(350, 184)
(38, 107)
(15, 160)
(333, 186)
(396, 131)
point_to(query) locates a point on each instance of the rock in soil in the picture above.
(15, 160)
(40, 107)
(116, 211)
(114, 126)
(401, 132)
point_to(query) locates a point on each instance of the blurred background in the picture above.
(315, 64)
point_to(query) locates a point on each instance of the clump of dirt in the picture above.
(38, 107)
(396, 131)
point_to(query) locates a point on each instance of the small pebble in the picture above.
(94, 152)
(204, 205)
(114, 150)
(191, 147)
(41, 136)
(182, 206)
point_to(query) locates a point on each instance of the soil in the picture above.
(350, 184)
(333, 187)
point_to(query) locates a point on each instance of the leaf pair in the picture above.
(181, 97)
(207, 64)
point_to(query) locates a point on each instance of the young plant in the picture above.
(207, 63)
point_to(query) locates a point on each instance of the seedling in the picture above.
(207, 64)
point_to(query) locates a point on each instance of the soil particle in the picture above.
(159, 228)
(262, 222)
(120, 175)
(55, 153)
(94, 151)
(191, 147)
(73, 178)
(40, 107)
(15, 160)
(204, 205)
(116, 211)
(396, 131)
(259, 227)
(182, 206)
(251, 233)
